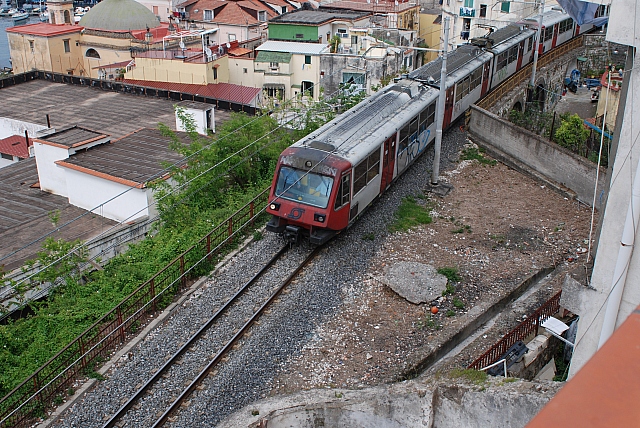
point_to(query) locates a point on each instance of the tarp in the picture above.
(583, 12)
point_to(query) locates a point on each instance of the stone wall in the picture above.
(535, 156)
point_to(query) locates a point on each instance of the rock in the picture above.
(416, 282)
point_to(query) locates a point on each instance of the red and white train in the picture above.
(323, 182)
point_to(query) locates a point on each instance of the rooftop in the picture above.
(381, 6)
(293, 47)
(132, 160)
(45, 29)
(15, 145)
(315, 17)
(455, 59)
(72, 136)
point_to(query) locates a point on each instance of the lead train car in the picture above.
(325, 180)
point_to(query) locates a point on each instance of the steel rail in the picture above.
(216, 359)
(140, 392)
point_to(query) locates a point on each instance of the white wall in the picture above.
(51, 176)
(200, 120)
(162, 5)
(9, 127)
(88, 191)
(5, 162)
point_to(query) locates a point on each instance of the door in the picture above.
(555, 35)
(520, 55)
(485, 78)
(388, 162)
(448, 108)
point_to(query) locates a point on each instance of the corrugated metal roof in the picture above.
(15, 145)
(220, 91)
(281, 57)
(293, 47)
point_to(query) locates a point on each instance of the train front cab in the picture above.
(309, 196)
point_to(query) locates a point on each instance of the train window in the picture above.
(463, 88)
(513, 55)
(501, 61)
(305, 187)
(476, 79)
(374, 163)
(548, 33)
(413, 127)
(344, 189)
(530, 44)
(404, 138)
(431, 114)
(366, 170)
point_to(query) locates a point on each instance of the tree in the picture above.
(572, 134)
(335, 43)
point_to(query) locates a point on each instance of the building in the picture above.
(14, 149)
(430, 32)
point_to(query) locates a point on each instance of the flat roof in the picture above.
(293, 47)
(315, 17)
(132, 160)
(45, 29)
(72, 136)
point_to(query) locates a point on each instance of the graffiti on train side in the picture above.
(417, 144)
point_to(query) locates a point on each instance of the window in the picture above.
(468, 3)
(284, 9)
(67, 48)
(262, 16)
(344, 191)
(6, 156)
(304, 186)
(274, 65)
(366, 171)
(342, 33)
(244, 70)
(476, 79)
(427, 117)
(501, 61)
(307, 88)
(505, 7)
(483, 11)
(548, 33)
(208, 15)
(215, 73)
(307, 59)
(232, 37)
(462, 88)
(354, 40)
(155, 10)
(530, 43)
(299, 36)
(513, 54)
(92, 53)
(31, 46)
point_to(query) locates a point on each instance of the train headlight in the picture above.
(319, 217)
(274, 206)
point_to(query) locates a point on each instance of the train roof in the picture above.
(550, 17)
(456, 59)
(357, 131)
(503, 38)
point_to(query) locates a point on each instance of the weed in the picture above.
(428, 322)
(257, 235)
(451, 313)
(58, 400)
(368, 237)
(95, 375)
(458, 303)
(474, 154)
(461, 230)
(451, 273)
(255, 413)
(449, 290)
(338, 394)
(410, 214)
(476, 376)
(134, 326)
(71, 391)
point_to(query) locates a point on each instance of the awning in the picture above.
(273, 86)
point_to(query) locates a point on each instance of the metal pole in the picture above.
(440, 107)
(537, 47)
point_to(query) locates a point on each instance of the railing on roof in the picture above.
(522, 330)
(36, 393)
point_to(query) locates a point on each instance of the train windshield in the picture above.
(305, 187)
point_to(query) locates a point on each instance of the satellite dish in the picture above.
(208, 52)
(181, 44)
(396, 2)
(228, 45)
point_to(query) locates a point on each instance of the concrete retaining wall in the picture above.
(534, 155)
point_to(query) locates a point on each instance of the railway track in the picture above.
(253, 295)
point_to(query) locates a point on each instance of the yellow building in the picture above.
(430, 31)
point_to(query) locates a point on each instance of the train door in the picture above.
(448, 107)
(485, 78)
(555, 35)
(388, 162)
(520, 55)
(577, 29)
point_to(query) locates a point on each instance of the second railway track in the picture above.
(171, 384)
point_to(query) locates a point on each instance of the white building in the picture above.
(614, 291)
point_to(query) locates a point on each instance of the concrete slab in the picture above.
(416, 282)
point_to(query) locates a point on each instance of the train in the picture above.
(326, 180)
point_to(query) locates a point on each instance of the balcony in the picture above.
(467, 12)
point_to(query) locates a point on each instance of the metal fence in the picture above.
(524, 329)
(525, 72)
(51, 381)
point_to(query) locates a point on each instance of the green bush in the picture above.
(572, 134)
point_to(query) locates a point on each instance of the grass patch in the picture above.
(451, 313)
(257, 235)
(458, 303)
(449, 290)
(428, 322)
(473, 153)
(410, 214)
(451, 273)
(368, 237)
(476, 376)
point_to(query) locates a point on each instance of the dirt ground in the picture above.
(497, 227)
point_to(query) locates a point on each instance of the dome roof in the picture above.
(119, 15)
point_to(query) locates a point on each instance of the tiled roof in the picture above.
(293, 47)
(239, 12)
(220, 91)
(280, 57)
(15, 145)
(44, 29)
(132, 160)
